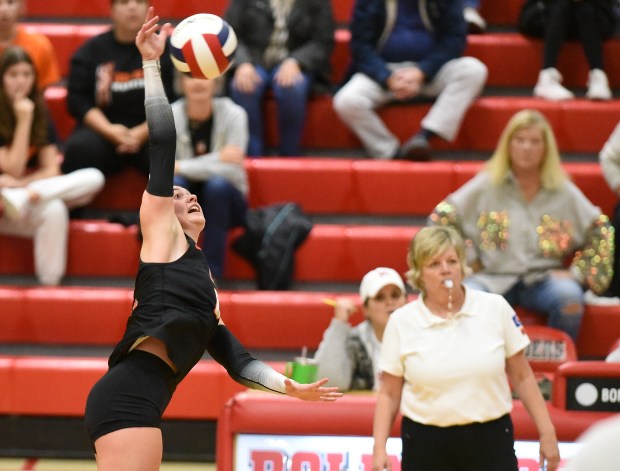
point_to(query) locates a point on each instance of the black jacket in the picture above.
(310, 27)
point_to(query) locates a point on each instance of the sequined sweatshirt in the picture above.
(516, 240)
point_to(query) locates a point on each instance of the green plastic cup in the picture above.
(302, 370)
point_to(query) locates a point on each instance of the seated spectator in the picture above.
(609, 158)
(349, 356)
(284, 46)
(588, 21)
(212, 135)
(400, 54)
(38, 46)
(523, 218)
(471, 12)
(106, 96)
(34, 195)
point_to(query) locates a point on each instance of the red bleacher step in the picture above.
(102, 249)
(347, 186)
(580, 125)
(100, 9)
(58, 386)
(491, 48)
(504, 13)
(270, 320)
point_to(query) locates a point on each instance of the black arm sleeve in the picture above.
(162, 145)
(240, 365)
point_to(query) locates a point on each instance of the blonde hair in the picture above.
(552, 175)
(427, 244)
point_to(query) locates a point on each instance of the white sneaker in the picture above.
(15, 202)
(549, 86)
(474, 21)
(598, 86)
(591, 298)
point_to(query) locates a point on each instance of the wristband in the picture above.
(151, 63)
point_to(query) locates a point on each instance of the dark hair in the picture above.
(39, 131)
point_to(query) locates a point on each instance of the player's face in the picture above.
(186, 207)
(527, 149)
(388, 299)
(18, 80)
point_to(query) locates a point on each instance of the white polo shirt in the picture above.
(454, 370)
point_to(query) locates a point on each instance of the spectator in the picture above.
(106, 96)
(38, 46)
(446, 362)
(212, 135)
(523, 217)
(285, 46)
(34, 195)
(609, 158)
(348, 355)
(471, 12)
(590, 22)
(412, 50)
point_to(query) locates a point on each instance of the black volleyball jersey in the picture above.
(177, 303)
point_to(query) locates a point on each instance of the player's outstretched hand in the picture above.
(151, 44)
(313, 391)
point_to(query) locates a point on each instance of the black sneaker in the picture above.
(416, 149)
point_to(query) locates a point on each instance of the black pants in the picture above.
(133, 393)
(590, 22)
(85, 148)
(487, 446)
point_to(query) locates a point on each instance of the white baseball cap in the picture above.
(376, 279)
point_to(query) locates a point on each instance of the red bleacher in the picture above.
(252, 413)
(498, 13)
(96, 316)
(521, 70)
(579, 125)
(353, 250)
(352, 188)
(262, 320)
(549, 348)
(345, 186)
(58, 387)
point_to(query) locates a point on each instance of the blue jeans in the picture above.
(224, 207)
(291, 105)
(550, 297)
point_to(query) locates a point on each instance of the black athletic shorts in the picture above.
(134, 393)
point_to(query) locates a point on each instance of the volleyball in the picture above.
(203, 46)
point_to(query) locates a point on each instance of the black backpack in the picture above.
(273, 234)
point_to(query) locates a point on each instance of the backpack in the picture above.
(273, 234)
